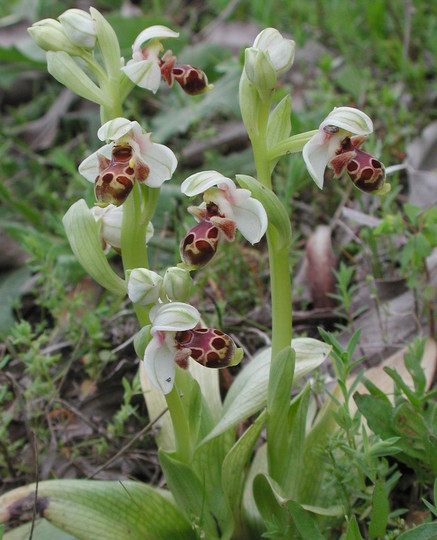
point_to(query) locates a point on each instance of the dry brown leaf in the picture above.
(320, 263)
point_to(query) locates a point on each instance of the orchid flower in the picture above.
(337, 145)
(175, 337)
(225, 209)
(147, 67)
(110, 219)
(130, 155)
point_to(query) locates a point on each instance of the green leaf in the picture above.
(304, 521)
(190, 495)
(279, 124)
(380, 511)
(427, 531)
(233, 473)
(278, 405)
(275, 210)
(43, 530)
(83, 234)
(353, 532)
(248, 393)
(268, 501)
(90, 509)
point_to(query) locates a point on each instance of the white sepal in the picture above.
(159, 364)
(251, 220)
(352, 120)
(199, 182)
(173, 317)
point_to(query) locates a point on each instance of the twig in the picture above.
(129, 444)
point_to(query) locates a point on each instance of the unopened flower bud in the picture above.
(80, 27)
(209, 347)
(260, 72)
(192, 80)
(50, 35)
(144, 286)
(177, 284)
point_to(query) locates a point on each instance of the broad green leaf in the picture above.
(252, 519)
(92, 510)
(304, 521)
(295, 453)
(268, 501)
(278, 405)
(380, 511)
(233, 470)
(353, 532)
(248, 393)
(83, 234)
(427, 531)
(43, 530)
(190, 494)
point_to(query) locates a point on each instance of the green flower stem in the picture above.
(293, 144)
(133, 232)
(180, 423)
(278, 258)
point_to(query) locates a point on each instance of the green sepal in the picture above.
(83, 234)
(276, 212)
(142, 340)
(66, 71)
(108, 45)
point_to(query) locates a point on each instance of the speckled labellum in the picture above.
(116, 177)
(366, 172)
(207, 346)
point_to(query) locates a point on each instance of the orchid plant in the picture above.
(218, 485)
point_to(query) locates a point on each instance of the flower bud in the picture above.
(177, 284)
(144, 286)
(279, 50)
(80, 27)
(260, 72)
(193, 81)
(209, 347)
(50, 35)
(199, 245)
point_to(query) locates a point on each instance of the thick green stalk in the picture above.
(278, 258)
(180, 424)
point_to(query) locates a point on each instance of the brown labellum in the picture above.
(208, 346)
(116, 177)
